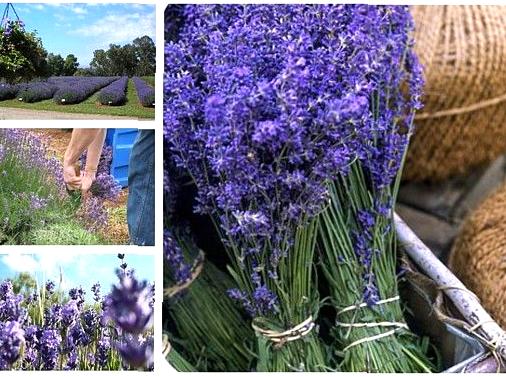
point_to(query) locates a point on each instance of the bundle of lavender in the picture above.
(271, 109)
(380, 87)
(209, 329)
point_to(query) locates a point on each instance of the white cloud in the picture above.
(38, 6)
(79, 10)
(20, 262)
(120, 28)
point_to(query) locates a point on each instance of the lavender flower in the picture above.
(70, 312)
(136, 352)
(145, 92)
(11, 341)
(49, 348)
(129, 304)
(267, 104)
(103, 351)
(50, 286)
(179, 270)
(95, 288)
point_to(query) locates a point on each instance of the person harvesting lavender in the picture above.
(140, 210)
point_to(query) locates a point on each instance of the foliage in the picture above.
(68, 233)
(57, 66)
(22, 56)
(135, 59)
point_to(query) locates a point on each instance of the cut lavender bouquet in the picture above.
(281, 114)
(380, 85)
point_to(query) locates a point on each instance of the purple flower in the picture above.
(128, 304)
(50, 348)
(50, 286)
(103, 351)
(11, 341)
(265, 104)
(179, 270)
(136, 352)
(95, 288)
(70, 313)
(145, 92)
(114, 94)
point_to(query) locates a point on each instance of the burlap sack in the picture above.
(463, 122)
(478, 256)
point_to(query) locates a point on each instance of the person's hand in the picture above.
(71, 177)
(87, 179)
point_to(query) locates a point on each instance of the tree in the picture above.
(56, 65)
(24, 283)
(135, 59)
(70, 66)
(100, 63)
(22, 56)
(145, 51)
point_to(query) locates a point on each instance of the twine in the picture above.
(295, 333)
(463, 124)
(462, 110)
(197, 268)
(363, 305)
(166, 346)
(448, 287)
(397, 325)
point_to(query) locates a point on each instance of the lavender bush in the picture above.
(145, 93)
(78, 90)
(279, 113)
(114, 94)
(8, 91)
(37, 91)
(47, 329)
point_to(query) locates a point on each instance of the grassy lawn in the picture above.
(132, 108)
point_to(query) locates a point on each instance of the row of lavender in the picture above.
(68, 90)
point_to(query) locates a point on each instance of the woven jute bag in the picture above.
(463, 122)
(478, 256)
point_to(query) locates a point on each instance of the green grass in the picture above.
(132, 108)
(149, 79)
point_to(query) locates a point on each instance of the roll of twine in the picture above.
(282, 337)
(198, 266)
(478, 256)
(463, 123)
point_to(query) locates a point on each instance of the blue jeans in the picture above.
(141, 190)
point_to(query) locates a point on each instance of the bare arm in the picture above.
(82, 139)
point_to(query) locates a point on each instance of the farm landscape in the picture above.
(117, 81)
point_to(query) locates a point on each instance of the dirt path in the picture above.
(24, 114)
(117, 229)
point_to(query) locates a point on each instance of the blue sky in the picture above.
(76, 269)
(80, 29)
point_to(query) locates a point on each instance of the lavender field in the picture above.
(65, 320)
(119, 96)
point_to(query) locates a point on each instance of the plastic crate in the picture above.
(121, 140)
